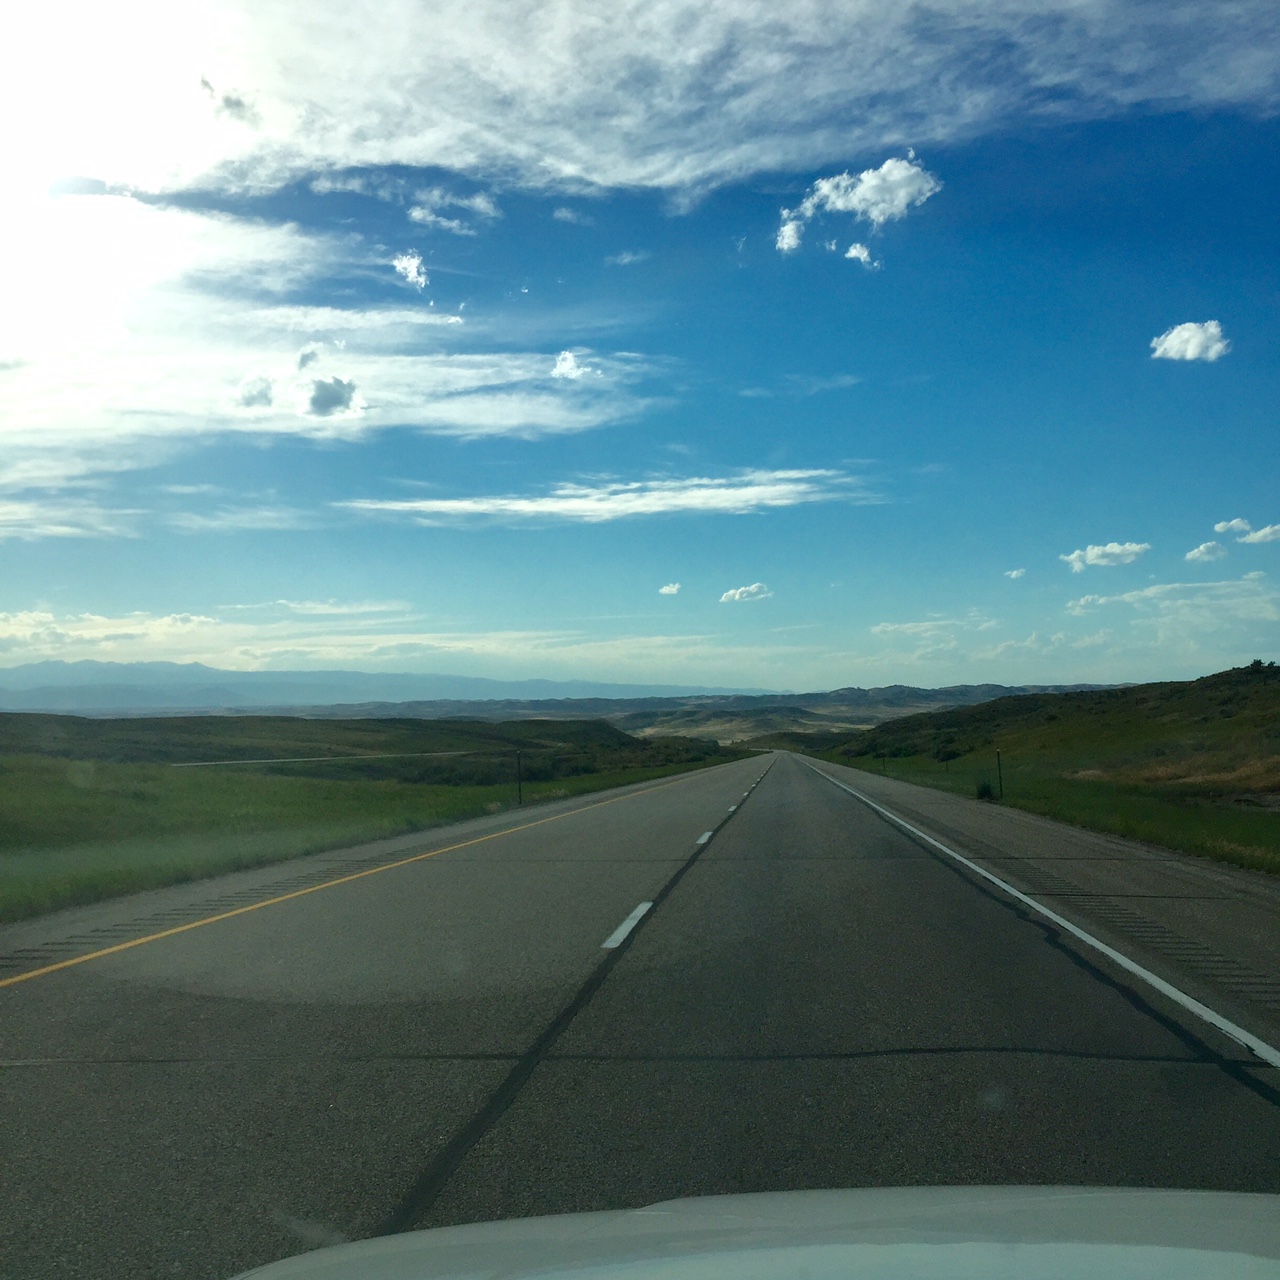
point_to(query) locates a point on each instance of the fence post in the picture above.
(1000, 774)
(519, 781)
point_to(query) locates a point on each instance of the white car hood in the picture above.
(921, 1233)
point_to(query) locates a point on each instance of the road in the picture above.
(817, 998)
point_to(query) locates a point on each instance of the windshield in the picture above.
(607, 603)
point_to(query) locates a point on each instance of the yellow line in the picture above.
(327, 884)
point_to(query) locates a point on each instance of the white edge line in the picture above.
(617, 937)
(704, 837)
(1260, 1048)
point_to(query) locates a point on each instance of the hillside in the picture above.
(1194, 765)
(188, 689)
(95, 807)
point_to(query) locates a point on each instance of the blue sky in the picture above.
(916, 346)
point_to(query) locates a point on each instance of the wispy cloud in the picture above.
(627, 257)
(932, 628)
(326, 608)
(427, 205)
(36, 517)
(488, 87)
(744, 493)
(803, 384)
(1203, 605)
(740, 595)
(240, 519)
(671, 589)
(1015, 573)
(574, 217)
(808, 385)
(1109, 554)
(1191, 341)
(238, 641)
(197, 359)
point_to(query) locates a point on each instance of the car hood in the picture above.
(925, 1233)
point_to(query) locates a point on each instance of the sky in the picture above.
(724, 346)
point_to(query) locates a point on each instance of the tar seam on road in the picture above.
(315, 888)
(433, 1180)
(616, 937)
(1259, 1048)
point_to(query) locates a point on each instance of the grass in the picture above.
(102, 809)
(1192, 765)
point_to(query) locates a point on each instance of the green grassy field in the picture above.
(94, 808)
(1193, 766)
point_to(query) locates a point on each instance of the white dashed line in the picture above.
(618, 936)
(704, 837)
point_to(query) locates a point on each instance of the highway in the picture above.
(433, 1031)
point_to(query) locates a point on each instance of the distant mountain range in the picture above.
(171, 688)
(151, 687)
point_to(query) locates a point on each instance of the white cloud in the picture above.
(1269, 534)
(239, 519)
(1232, 526)
(808, 385)
(789, 235)
(1191, 341)
(332, 395)
(1111, 553)
(671, 589)
(1015, 573)
(756, 591)
(573, 217)
(628, 257)
(429, 202)
(32, 518)
(185, 324)
(325, 608)
(1206, 552)
(409, 265)
(428, 218)
(258, 638)
(876, 196)
(359, 184)
(934, 638)
(747, 492)
(491, 86)
(567, 366)
(937, 627)
(1182, 609)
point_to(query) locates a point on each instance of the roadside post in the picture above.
(519, 781)
(1000, 775)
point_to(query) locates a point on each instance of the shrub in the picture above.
(985, 791)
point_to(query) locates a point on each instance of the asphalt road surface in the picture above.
(815, 999)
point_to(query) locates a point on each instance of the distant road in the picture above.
(815, 997)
